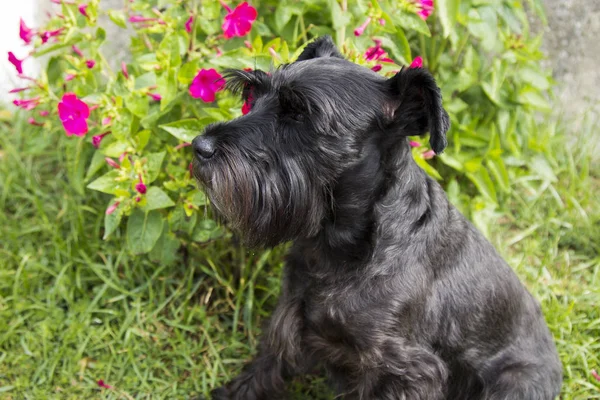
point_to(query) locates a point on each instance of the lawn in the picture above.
(75, 310)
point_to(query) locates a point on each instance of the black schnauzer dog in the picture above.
(387, 286)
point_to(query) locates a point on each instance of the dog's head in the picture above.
(271, 173)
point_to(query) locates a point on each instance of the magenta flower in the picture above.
(112, 162)
(377, 53)
(32, 121)
(90, 63)
(27, 104)
(247, 107)
(155, 96)
(44, 113)
(425, 8)
(25, 33)
(17, 90)
(96, 140)
(412, 143)
(359, 31)
(417, 62)
(381, 21)
(16, 62)
(238, 22)
(140, 187)
(73, 114)
(376, 68)
(83, 10)
(106, 121)
(206, 83)
(111, 209)
(124, 70)
(138, 18)
(428, 154)
(49, 34)
(189, 23)
(595, 375)
(77, 51)
(70, 77)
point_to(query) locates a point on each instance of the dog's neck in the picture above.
(380, 178)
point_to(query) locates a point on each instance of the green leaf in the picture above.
(498, 170)
(411, 21)
(398, 47)
(100, 35)
(447, 11)
(143, 231)
(283, 15)
(167, 87)
(155, 161)
(421, 162)
(165, 250)
(137, 104)
(484, 184)
(106, 183)
(187, 72)
(185, 129)
(534, 99)
(205, 230)
(118, 17)
(112, 221)
(534, 78)
(157, 199)
(95, 165)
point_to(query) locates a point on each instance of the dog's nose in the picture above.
(204, 147)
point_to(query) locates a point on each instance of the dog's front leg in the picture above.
(279, 357)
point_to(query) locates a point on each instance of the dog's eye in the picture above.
(298, 117)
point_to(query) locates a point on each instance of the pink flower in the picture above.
(48, 34)
(25, 33)
(140, 187)
(377, 53)
(219, 52)
(82, 9)
(239, 21)
(425, 8)
(17, 90)
(27, 104)
(248, 44)
(414, 144)
(206, 83)
(96, 140)
(376, 68)
(182, 145)
(189, 23)
(90, 63)
(381, 21)
(44, 113)
(428, 154)
(111, 209)
(138, 18)
(155, 96)
(73, 114)
(417, 62)
(359, 31)
(112, 162)
(77, 51)
(106, 121)
(16, 62)
(124, 70)
(247, 107)
(595, 375)
(70, 77)
(32, 121)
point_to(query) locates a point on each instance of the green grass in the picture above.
(75, 309)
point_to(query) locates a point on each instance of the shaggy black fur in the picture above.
(387, 285)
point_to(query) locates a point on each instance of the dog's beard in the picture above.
(266, 205)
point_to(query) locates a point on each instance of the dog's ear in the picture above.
(322, 47)
(415, 107)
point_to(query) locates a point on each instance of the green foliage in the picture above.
(75, 309)
(481, 52)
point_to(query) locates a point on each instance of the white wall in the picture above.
(9, 32)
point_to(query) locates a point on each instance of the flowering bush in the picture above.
(130, 126)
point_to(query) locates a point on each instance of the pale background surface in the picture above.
(571, 41)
